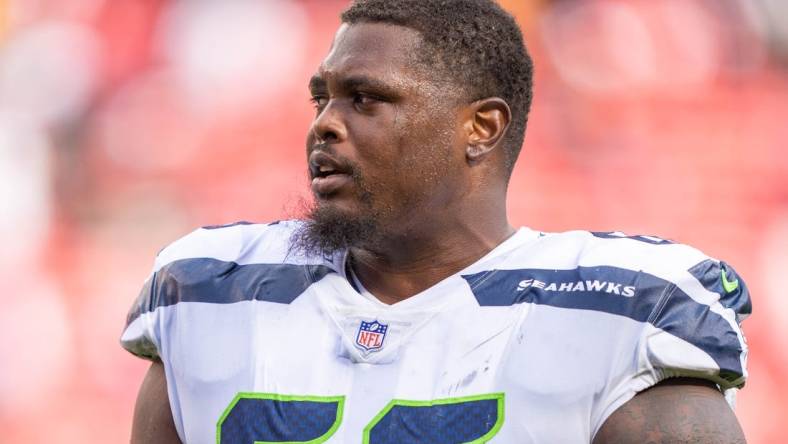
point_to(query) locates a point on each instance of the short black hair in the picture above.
(477, 43)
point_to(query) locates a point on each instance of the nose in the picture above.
(329, 126)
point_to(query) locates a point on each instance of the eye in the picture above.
(319, 102)
(364, 100)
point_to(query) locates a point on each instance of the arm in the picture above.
(677, 410)
(153, 422)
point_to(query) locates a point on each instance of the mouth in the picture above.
(325, 186)
(328, 175)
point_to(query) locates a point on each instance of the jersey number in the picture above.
(262, 418)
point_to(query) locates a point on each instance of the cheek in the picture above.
(375, 145)
(405, 155)
(427, 144)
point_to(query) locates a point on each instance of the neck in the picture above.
(409, 262)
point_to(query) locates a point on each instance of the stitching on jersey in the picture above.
(667, 293)
(482, 278)
(310, 277)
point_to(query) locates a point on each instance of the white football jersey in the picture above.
(539, 341)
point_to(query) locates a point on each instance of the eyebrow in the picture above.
(351, 83)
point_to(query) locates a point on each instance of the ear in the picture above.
(488, 120)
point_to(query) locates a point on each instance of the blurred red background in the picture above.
(125, 124)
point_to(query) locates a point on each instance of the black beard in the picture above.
(327, 230)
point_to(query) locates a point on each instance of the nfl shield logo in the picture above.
(371, 335)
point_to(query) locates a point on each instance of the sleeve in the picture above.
(140, 334)
(695, 330)
(146, 327)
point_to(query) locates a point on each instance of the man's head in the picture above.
(474, 45)
(421, 110)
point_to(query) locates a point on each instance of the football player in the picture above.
(405, 308)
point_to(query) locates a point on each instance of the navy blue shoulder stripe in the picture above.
(722, 279)
(633, 294)
(220, 282)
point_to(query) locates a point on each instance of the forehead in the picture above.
(383, 51)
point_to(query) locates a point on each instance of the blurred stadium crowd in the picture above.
(125, 124)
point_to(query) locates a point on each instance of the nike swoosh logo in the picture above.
(729, 286)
